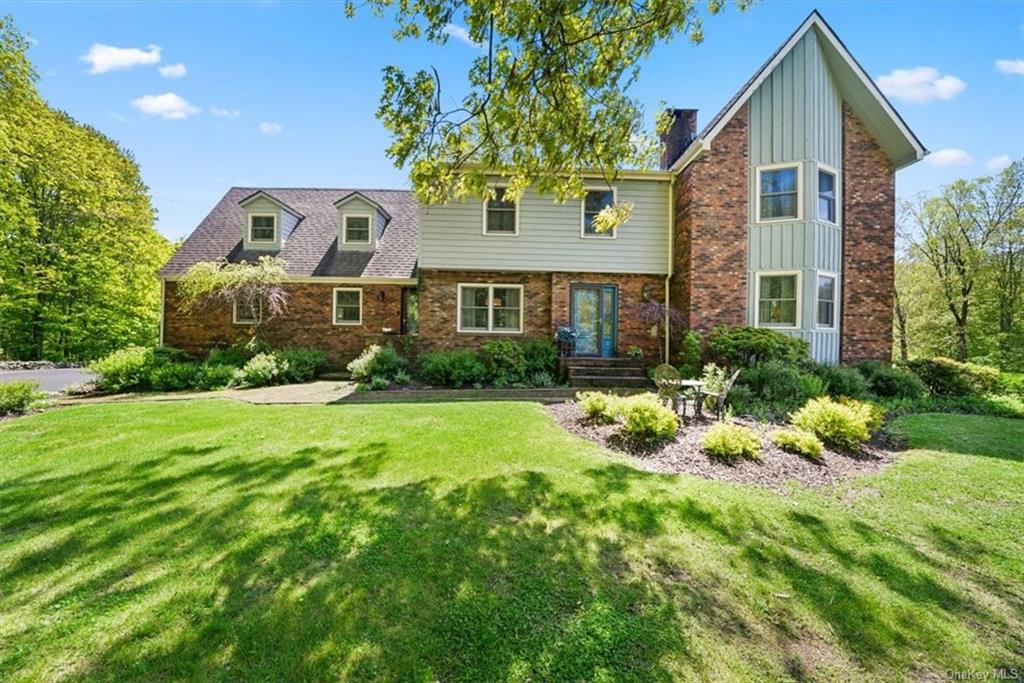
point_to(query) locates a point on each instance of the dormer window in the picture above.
(356, 229)
(262, 227)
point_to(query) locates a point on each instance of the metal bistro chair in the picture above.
(666, 379)
(720, 396)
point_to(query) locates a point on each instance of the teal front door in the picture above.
(594, 312)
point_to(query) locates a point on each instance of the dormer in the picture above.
(268, 222)
(361, 222)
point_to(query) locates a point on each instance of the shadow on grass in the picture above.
(304, 568)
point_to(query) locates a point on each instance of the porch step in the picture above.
(599, 362)
(606, 370)
(585, 381)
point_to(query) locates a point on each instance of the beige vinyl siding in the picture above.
(451, 235)
(796, 116)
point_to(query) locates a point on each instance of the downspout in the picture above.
(671, 254)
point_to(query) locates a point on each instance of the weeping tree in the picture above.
(547, 97)
(218, 283)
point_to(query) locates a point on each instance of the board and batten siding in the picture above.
(451, 235)
(796, 116)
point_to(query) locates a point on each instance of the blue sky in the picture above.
(284, 93)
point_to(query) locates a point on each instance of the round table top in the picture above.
(684, 382)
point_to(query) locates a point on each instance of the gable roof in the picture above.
(272, 199)
(359, 195)
(311, 248)
(856, 87)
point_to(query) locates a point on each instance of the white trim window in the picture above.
(778, 193)
(592, 204)
(244, 313)
(828, 190)
(490, 308)
(356, 228)
(262, 227)
(827, 294)
(347, 306)
(778, 300)
(501, 217)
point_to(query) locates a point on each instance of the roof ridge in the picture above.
(268, 188)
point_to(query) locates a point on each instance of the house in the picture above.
(778, 213)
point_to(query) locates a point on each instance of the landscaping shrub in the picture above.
(18, 397)
(233, 356)
(775, 388)
(541, 379)
(635, 352)
(799, 442)
(731, 442)
(834, 423)
(994, 405)
(872, 413)
(842, 380)
(402, 377)
(646, 420)
(886, 381)
(1012, 383)
(169, 354)
(213, 376)
(262, 369)
(175, 376)
(379, 383)
(124, 369)
(947, 377)
(504, 361)
(689, 355)
(451, 368)
(376, 361)
(541, 355)
(598, 406)
(748, 346)
(303, 364)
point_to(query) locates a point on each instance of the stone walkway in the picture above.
(321, 392)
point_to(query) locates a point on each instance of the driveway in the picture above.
(53, 379)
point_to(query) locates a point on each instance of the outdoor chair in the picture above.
(720, 396)
(666, 379)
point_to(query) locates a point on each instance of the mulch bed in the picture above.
(775, 470)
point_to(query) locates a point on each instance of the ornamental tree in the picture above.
(219, 282)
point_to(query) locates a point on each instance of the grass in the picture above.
(468, 542)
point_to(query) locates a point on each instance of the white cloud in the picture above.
(270, 128)
(920, 84)
(103, 58)
(999, 163)
(460, 34)
(1014, 67)
(224, 113)
(173, 71)
(166, 106)
(951, 156)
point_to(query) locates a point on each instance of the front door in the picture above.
(595, 316)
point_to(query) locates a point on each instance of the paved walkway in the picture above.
(50, 379)
(312, 392)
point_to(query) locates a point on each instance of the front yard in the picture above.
(221, 541)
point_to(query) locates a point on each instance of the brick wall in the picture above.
(545, 306)
(307, 322)
(709, 283)
(869, 227)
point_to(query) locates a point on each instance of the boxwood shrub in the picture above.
(947, 377)
(748, 346)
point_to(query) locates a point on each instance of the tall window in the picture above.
(262, 227)
(827, 196)
(246, 312)
(593, 204)
(826, 301)
(777, 301)
(499, 214)
(779, 196)
(490, 308)
(348, 306)
(357, 229)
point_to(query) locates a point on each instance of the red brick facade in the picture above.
(709, 282)
(546, 304)
(869, 227)
(308, 322)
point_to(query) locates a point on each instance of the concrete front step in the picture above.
(586, 361)
(606, 371)
(585, 381)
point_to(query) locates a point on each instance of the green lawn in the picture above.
(475, 542)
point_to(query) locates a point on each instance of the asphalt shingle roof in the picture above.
(311, 249)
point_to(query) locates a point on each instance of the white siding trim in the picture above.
(234, 314)
(490, 308)
(334, 306)
(371, 228)
(583, 213)
(264, 215)
(835, 300)
(483, 227)
(799, 192)
(757, 298)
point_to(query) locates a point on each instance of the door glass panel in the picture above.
(586, 317)
(608, 309)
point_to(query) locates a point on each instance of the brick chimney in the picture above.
(679, 136)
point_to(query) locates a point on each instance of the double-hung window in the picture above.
(262, 227)
(348, 306)
(491, 308)
(246, 312)
(826, 195)
(356, 229)
(778, 193)
(594, 203)
(826, 301)
(500, 214)
(777, 300)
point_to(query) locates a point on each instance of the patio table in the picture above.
(697, 384)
